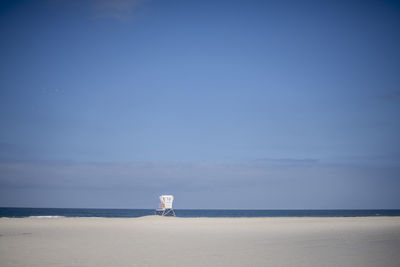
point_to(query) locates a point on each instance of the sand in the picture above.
(158, 241)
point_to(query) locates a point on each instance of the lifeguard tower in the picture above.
(165, 207)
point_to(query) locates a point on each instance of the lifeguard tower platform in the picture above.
(165, 207)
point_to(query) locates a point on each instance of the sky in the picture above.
(224, 104)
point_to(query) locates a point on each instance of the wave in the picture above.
(46, 217)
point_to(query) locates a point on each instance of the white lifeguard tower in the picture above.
(165, 207)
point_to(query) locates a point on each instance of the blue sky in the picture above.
(288, 104)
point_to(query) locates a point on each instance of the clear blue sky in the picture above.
(286, 104)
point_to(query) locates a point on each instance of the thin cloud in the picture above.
(158, 174)
(390, 95)
(121, 10)
(10, 151)
(287, 161)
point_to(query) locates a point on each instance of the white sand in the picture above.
(157, 241)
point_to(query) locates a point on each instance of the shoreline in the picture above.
(202, 217)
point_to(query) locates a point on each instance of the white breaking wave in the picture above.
(46, 217)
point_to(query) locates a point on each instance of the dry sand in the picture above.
(157, 241)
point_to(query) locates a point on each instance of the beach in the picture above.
(171, 241)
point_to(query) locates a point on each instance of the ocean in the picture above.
(188, 213)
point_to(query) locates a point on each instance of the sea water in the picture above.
(132, 213)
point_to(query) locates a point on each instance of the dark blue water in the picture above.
(132, 213)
